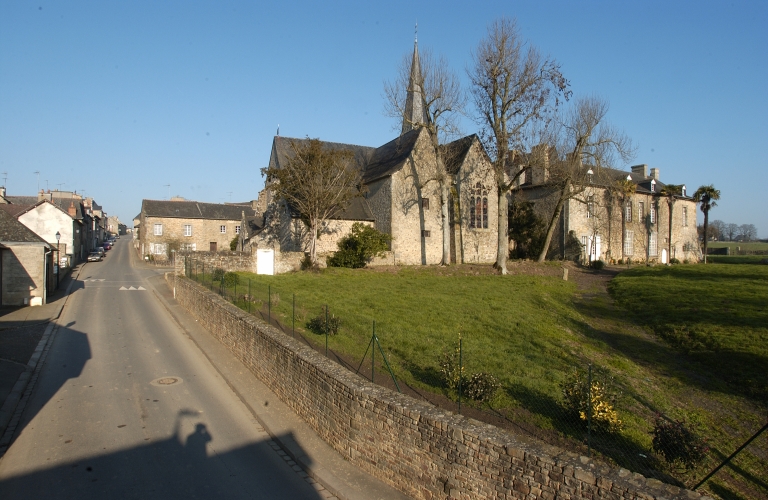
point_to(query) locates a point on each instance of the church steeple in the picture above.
(414, 103)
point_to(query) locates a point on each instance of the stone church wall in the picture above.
(421, 450)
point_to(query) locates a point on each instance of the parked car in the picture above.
(101, 251)
(107, 246)
(95, 257)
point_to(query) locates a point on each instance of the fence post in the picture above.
(326, 330)
(293, 317)
(589, 412)
(373, 352)
(269, 304)
(249, 296)
(235, 299)
(461, 369)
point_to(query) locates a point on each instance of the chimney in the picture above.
(2, 191)
(72, 211)
(655, 173)
(641, 170)
(44, 196)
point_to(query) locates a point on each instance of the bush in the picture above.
(218, 274)
(449, 368)
(231, 279)
(306, 263)
(482, 387)
(674, 260)
(234, 243)
(597, 264)
(317, 324)
(678, 443)
(576, 393)
(359, 247)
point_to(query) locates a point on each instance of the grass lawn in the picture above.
(689, 342)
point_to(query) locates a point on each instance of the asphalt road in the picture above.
(126, 406)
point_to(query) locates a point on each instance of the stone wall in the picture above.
(23, 274)
(422, 450)
(285, 262)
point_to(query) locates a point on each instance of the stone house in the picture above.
(26, 264)
(600, 224)
(402, 196)
(168, 226)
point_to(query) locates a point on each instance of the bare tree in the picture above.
(516, 91)
(583, 145)
(315, 182)
(428, 84)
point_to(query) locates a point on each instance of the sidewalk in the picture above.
(24, 333)
(296, 438)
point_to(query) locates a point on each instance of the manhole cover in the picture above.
(167, 381)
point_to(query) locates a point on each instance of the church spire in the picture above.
(415, 113)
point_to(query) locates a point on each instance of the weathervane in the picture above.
(416, 33)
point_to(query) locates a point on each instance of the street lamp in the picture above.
(58, 258)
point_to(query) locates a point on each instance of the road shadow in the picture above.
(183, 465)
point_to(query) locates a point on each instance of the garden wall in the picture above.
(424, 451)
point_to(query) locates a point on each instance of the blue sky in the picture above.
(119, 99)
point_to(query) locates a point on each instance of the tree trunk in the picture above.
(502, 250)
(446, 222)
(553, 222)
(623, 228)
(706, 225)
(313, 242)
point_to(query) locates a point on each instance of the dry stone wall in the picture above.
(424, 451)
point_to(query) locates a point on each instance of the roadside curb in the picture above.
(10, 413)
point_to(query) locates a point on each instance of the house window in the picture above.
(653, 249)
(652, 213)
(629, 242)
(189, 247)
(478, 207)
(425, 203)
(237, 229)
(685, 216)
(628, 211)
(425, 233)
(640, 210)
(157, 248)
(187, 229)
(590, 207)
(223, 229)
(158, 229)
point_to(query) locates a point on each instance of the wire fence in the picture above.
(709, 444)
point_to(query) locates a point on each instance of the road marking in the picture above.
(132, 288)
(97, 280)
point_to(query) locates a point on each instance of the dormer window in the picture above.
(590, 176)
(682, 190)
(653, 186)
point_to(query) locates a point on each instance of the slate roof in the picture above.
(253, 225)
(282, 149)
(389, 158)
(22, 200)
(13, 231)
(15, 210)
(193, 210)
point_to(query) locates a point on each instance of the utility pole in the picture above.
(169, 190)
(38, 180)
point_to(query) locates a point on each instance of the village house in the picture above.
(650, 223)
(402, 197)
(26, 264)
(166, 227)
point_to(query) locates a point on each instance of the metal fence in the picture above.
(719, 450)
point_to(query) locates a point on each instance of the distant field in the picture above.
(752, 246)
(703, 361)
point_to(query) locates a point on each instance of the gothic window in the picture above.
(590, 206)
(628, 211)
(478, 207)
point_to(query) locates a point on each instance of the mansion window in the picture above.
(685, 216)
(187, 229)
(237, 229)
(590, 207)
(223, 229)
(640, 210)
(158, 229)
(478, 207)
(653, 247)
(652, 214)
(628, 211)
(629, 242)
(425, 203)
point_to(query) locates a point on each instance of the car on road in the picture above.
(95, 257)
(107, 246)
(101, 251)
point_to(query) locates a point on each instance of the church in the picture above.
(403, 196)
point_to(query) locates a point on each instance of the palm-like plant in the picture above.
(705, 196)
(625, 188)
(670, 191)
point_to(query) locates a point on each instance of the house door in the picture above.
(265, 261)
(213, 246)
(594, 248)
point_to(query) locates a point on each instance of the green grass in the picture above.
(686, 341)
(750, 246)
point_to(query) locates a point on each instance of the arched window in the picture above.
(478, 207)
